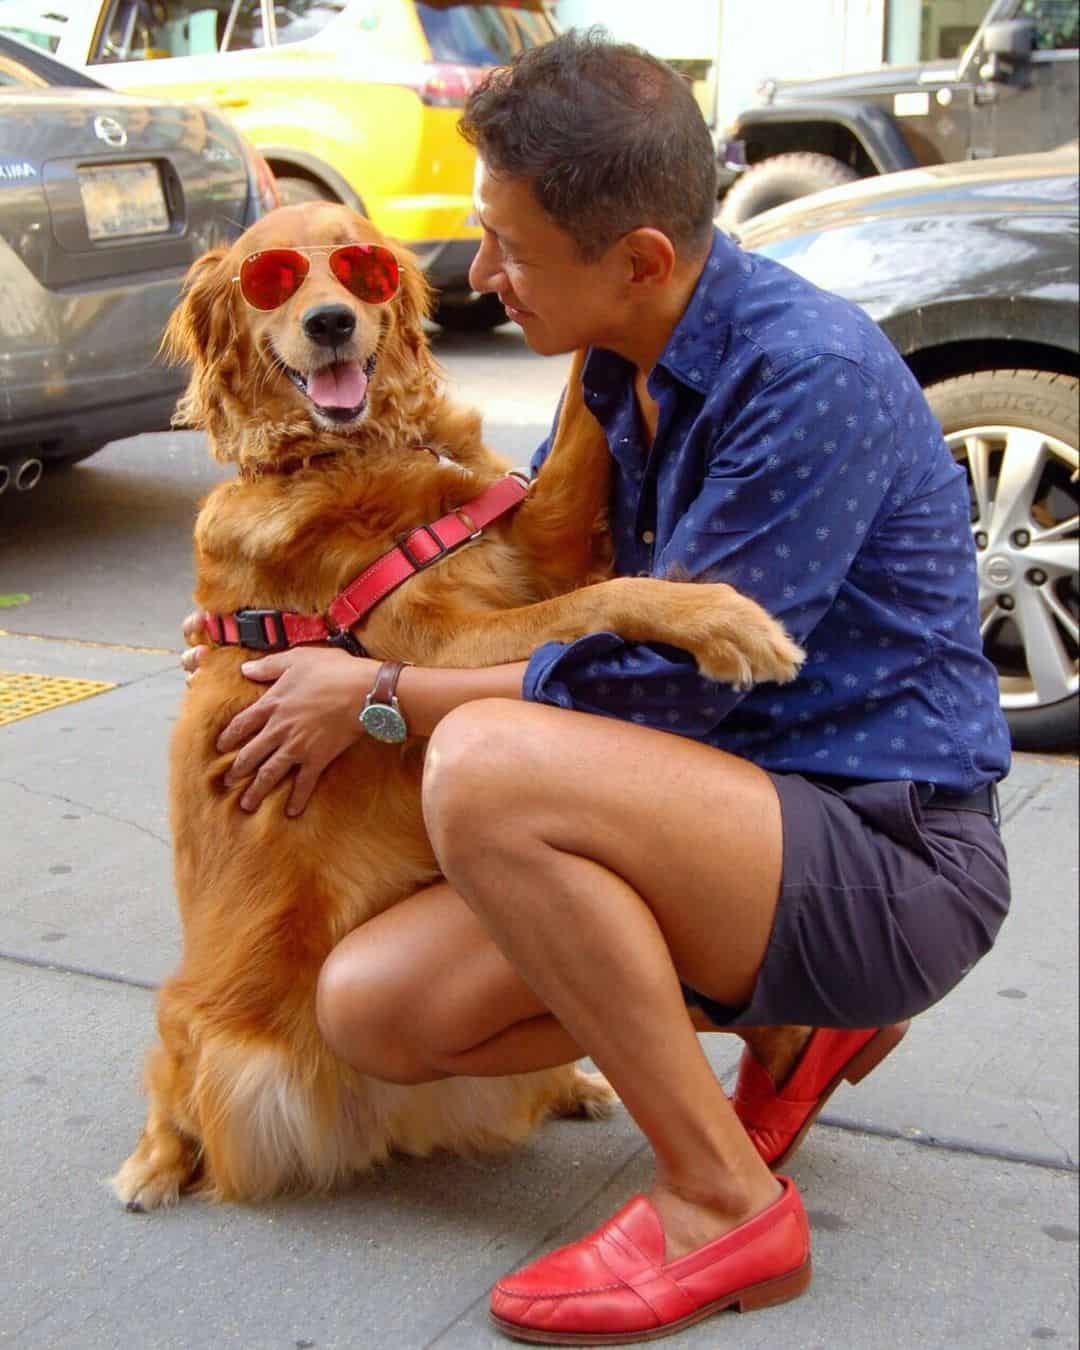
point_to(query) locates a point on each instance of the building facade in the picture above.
(727, 47)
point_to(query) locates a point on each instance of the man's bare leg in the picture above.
(421, 992)
(596, 888)
(632, 858)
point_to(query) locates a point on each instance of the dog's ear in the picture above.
(414, 300)
(202, 332)
(194, 332)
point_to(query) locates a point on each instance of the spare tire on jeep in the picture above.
(779, 179)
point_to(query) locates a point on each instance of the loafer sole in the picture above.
(763, 1295)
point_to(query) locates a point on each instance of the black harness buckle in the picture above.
(252, 626)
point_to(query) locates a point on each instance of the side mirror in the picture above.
(1013, 39)
(1005, 47)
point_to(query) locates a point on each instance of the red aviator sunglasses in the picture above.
(269, 278)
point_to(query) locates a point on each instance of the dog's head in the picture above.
(290, 340)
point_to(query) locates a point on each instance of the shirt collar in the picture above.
(701, 335)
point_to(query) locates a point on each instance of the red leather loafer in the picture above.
(777, 1120)
(613, 1287)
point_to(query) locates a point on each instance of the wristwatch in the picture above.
(381, 716)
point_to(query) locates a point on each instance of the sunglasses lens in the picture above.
(369, 271)
(270, 278)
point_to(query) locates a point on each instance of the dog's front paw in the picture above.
(153, 1178)
(753, 648)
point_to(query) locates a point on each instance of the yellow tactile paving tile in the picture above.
(23, 695)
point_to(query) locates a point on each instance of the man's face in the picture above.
(561, 302)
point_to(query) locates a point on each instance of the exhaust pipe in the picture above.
(27, 474)
(5, 478)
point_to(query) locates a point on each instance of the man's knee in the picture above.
(476, 755)
(359, 1016)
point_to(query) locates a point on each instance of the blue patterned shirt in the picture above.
(795, 458)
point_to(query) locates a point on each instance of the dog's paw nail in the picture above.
(133, 1207)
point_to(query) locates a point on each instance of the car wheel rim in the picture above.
(1023, 488)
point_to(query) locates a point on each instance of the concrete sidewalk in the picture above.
(942, 1191)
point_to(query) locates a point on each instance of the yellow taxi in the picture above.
(349, 100)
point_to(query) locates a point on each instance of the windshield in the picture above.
(35, 22)
(300, 19)
(471, 34)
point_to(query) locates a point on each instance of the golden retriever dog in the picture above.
(317, 383)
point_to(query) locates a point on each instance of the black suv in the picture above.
(1013, 89)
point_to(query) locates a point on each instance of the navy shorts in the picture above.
(885, 904)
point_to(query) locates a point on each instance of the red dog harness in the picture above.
(271, 630)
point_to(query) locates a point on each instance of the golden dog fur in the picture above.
(245, 1099)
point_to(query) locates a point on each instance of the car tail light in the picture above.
(443, 85)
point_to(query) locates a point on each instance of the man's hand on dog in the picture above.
(303, 722)
(190, 659)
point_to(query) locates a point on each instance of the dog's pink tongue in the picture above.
(339, 386)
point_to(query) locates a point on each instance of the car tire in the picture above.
(1025, 421)
(478, 314)
(780, 179)
(293, 191)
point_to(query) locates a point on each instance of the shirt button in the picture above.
(648, 537)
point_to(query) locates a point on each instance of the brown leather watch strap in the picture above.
(386, 678)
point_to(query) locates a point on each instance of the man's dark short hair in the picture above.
(609, 137)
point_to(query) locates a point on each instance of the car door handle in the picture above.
(224, 99)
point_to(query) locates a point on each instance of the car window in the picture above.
(931, 30)
(40, 24)
(300, 19)
(153, 30)
(474, 34)
(13, 75)
(1057, 23)
(28, 64)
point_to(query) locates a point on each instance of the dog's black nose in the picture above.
(330, 325)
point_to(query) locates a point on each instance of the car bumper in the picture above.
(80, 366)
(446, 262)
(58, 434)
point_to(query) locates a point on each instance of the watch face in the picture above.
(383, 723)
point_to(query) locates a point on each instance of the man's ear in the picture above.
(650, 256)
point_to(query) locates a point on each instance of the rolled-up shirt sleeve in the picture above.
(792, 486)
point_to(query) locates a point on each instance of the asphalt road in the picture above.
(103, 550)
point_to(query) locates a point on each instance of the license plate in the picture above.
(123, 199)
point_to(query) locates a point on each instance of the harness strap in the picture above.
(267, 630)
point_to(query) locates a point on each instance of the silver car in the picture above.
(105, 200)
(971, 271)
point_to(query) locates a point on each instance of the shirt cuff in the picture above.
(544, 682)
(656, 686)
